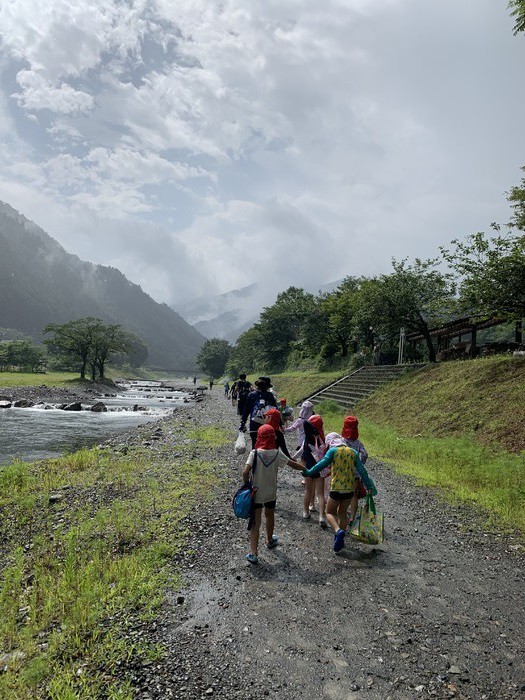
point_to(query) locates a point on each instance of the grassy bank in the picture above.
(60, 379)
(296, 385)
(87, 544)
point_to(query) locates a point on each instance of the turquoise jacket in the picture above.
(359, 466)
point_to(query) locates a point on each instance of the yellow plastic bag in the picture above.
(368, 526)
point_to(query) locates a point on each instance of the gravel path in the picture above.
(436, 611)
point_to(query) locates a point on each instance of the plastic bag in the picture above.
(240, 444)
(368, 526)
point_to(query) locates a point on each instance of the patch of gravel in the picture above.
(436, 611)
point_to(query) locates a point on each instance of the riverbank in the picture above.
(433, 612)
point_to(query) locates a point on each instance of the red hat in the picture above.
(265, 438)
(350, 431)
(317, 422)
(274, 418)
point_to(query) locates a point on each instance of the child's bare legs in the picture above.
(254, 532)
(319, 490)
(336, 514)
(353, 508)
(269, 515)
(309, 491)
(342, 513)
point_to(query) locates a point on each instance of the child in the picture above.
(273, 418)
(307, 409)
(345, 462)
(263, 462)
(350, 435)
(286, 412)
(311, 451)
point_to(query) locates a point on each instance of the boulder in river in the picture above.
(75, 406)
(99, 407)
(5, 404)
(23, 403)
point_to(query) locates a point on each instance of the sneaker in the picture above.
(252, 558)
(306, 515)
(339, 540)
(273, 542)
(311, 509)
(322, 523)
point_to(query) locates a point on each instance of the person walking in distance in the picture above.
(242, 389)
(257, 403)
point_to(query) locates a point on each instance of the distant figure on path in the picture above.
(242, 389)
(211, 383)
(194, 381)
(226, 389)
(257, 403)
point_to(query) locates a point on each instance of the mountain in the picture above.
(228, 315)
(41, 283)
(225, 315)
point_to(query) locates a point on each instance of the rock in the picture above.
(12, 657)
(99, 407)
(57, 497)
(23, 403)
(5, 404)
(75, 406)
(454, 670)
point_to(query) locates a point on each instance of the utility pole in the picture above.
(401, 346)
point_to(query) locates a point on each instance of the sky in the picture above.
(202, 146)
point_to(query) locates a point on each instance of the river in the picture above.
(37, 433)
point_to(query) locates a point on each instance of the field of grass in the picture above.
(14, 379)
(483, 399)
(76, 573)
(296, 385)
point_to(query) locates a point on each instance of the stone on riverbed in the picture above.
(99, 407)
(75, 406)
(23, 403)
(5, 404)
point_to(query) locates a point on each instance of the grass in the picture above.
(60, 379)
(76, 573)
(482, 399)
(296, 385)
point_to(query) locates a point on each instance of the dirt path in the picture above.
(436, 611)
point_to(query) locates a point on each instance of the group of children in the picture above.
(333, 467)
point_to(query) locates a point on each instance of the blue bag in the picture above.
(242, 501)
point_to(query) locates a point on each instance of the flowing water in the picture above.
(39, 433)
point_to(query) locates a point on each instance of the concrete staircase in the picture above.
(348, 390)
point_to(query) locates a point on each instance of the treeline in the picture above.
(84, 345)
(481, 277)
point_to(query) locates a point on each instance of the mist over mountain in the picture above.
(41, 283)
(228, 315)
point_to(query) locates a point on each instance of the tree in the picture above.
(213, 357)
(339, 310)
(25, 354)
(493, 274)
(414, 297)
(89, 341)
(517, 8)
(74, 339)
(517, 199)
(247, 355)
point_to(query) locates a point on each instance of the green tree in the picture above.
(106, 341)
(493, 274)
(282, 326)
(73, 339)
(517, 11)
(247, 355)
(339, 311)
(24, 354)
(213, 357)
(414, 297)
(517, 199)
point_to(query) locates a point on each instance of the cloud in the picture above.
(203, 146)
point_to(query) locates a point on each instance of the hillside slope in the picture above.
(483, 399)
(41, 283)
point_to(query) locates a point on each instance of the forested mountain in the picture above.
(41, 283)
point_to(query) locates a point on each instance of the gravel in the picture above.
(435, 611)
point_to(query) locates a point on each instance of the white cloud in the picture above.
(311, 140)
